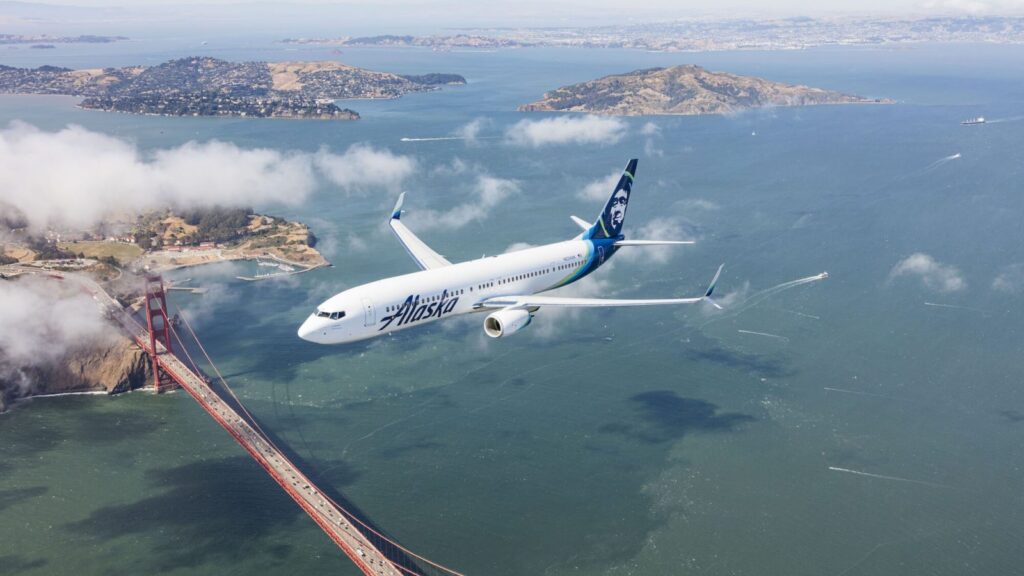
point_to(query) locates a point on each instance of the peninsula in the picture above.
(203, 86)
(682, 90)
(110, 255)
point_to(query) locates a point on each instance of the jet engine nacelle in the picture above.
(506, 322)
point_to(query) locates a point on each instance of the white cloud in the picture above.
(733, 298)
(600, 189)
(650, 129)
(972, 7)
(489, 192)
(362, 167)
(660, 229)
(1010, 279)
(40, 319)
(470, 131)
(357, 244)
(651, 150)
(935, 275)
(552, 321)
(566, 130)
(75, 177)
(730, 302)
(517, 246)
(698, 204)
(455, 167)
(202, 309)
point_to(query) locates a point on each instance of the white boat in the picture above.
(973, 121)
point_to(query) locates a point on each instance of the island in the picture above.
(682, 90)
(203, 86)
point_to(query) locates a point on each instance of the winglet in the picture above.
(396, 214)
(711, 287)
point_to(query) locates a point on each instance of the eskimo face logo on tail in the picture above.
(412, 311)
(609, 224)
(618, 207)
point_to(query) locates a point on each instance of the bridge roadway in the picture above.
(321, 509)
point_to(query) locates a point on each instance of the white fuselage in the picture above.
(415, 299)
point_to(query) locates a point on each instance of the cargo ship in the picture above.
(973, 121)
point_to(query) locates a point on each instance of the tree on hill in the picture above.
(218, 224)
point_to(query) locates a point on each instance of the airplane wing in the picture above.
(532, 301)
(420, 252)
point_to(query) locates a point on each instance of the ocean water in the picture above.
(867, 424)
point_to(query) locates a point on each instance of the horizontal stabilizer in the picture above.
(581, 222)
(653, 242)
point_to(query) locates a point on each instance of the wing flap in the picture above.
(424, 256)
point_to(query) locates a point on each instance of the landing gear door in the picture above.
(369, 315)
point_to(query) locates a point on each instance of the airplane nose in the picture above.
(308, 329)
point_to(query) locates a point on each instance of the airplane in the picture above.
(504, 286)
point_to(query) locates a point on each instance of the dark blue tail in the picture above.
(609, 223)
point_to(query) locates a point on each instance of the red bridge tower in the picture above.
(159, 330)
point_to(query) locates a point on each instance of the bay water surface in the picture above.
(872, 423)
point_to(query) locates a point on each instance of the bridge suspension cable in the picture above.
(352, 518)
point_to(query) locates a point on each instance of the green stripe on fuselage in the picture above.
(575, 273)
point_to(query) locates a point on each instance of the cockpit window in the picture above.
(330, 315)
(322, 314)
(337, 315)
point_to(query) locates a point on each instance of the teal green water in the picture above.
(660, 441)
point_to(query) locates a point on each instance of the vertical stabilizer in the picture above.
(609, 223)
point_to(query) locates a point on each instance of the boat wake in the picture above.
(765, 334)
(940, 162)
(884, 477)
(758, 297)
(1002, 120)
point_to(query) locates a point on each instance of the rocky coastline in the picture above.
(113, 366)
(204, 86)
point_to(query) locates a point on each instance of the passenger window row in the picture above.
(433, 298)
(531, 274)
(486, 285)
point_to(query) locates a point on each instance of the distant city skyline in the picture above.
(453, 10)
(562, 12)
(292, 18)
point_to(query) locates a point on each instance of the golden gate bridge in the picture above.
(371, 551)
